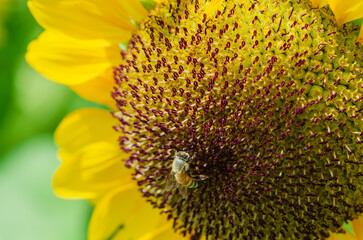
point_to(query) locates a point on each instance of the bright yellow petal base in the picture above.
(92, 160)
(98, 89)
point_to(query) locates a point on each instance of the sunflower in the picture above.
(264, 95)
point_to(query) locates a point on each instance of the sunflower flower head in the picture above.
(266, 98)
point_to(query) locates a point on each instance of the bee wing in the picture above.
(170, 182)
(183, 190)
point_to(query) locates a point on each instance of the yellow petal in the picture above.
(98, 90)
(165, 232)
(341, 236)
(134, 9)
(92, 160)
(346, 11)
(84, 127)
(358, 227)
(319, 3)
(92, 171)
(213, 6)
(89, 19)
(123, 214)
(71, 61)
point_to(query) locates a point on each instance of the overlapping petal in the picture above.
(81, 41)
(124, 214)
(70, 61)
(84, 127)
(112, 20)
(92, 160)
(346, 11)
(91, 172)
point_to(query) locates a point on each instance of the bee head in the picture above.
(184, 156)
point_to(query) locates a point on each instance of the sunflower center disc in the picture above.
(266, 98)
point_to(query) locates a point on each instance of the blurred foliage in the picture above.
(29, 209)
(31, 108)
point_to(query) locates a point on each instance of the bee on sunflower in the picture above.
(253, 109)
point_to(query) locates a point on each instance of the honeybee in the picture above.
(181, 176)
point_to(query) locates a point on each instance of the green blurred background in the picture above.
(31, 108)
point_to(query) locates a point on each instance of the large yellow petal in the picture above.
(92, 171)
(71, 61)
(346, 11)
(113, 20)
(135, 10)
(84, 127)
(124, 215)
(98, 90)
(319, 3)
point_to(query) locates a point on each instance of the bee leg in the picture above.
(203, 177)
(183, 191)
(199, 177)
(195, 177)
